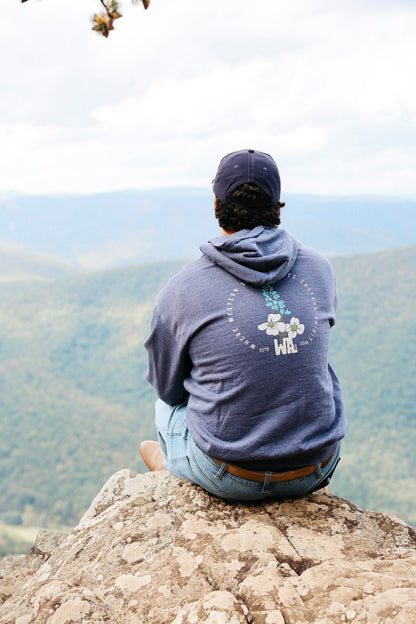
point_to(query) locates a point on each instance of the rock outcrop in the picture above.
(152, 549)
(16, 570)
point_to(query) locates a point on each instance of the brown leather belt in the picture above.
(252, 475)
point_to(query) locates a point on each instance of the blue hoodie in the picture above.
(242, 333)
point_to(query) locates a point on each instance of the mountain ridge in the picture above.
(120, 228)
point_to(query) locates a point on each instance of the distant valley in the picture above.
(75, 402)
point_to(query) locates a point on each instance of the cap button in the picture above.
(251, 151)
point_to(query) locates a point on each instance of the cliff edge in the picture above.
(158, 550)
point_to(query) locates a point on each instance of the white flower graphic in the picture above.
(273, 326)
(294, 327)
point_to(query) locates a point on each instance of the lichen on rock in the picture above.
(154, 549)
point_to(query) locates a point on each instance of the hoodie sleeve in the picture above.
(168, 363)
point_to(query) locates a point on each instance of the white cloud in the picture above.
(327, 88)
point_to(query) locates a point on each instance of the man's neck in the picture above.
(226, 232)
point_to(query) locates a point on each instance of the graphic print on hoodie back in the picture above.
(244, 332)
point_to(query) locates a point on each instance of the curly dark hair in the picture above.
(251, 209)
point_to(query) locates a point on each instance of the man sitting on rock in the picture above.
(248, 406)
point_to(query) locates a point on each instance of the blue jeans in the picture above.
(185, 460)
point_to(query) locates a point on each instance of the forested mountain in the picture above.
(114, 229)
(373, 349)
(18, 266)
(75, 402)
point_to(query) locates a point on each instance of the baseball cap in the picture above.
(247, 165)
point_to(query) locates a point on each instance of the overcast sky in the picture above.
(328, 88)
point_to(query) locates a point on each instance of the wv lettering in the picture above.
(287, 346)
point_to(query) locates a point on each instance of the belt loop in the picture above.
(266, 482)
(221, 471)
(318, 471)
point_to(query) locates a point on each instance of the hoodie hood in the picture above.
(260, 256)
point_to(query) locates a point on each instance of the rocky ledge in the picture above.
(158, 550)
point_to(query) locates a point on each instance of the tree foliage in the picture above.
(103, 22)
(75, 402)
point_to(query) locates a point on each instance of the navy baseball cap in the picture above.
(247, 165)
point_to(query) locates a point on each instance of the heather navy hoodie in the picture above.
(242, 333)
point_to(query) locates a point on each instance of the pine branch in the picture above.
(103, 22)
(145, 3)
